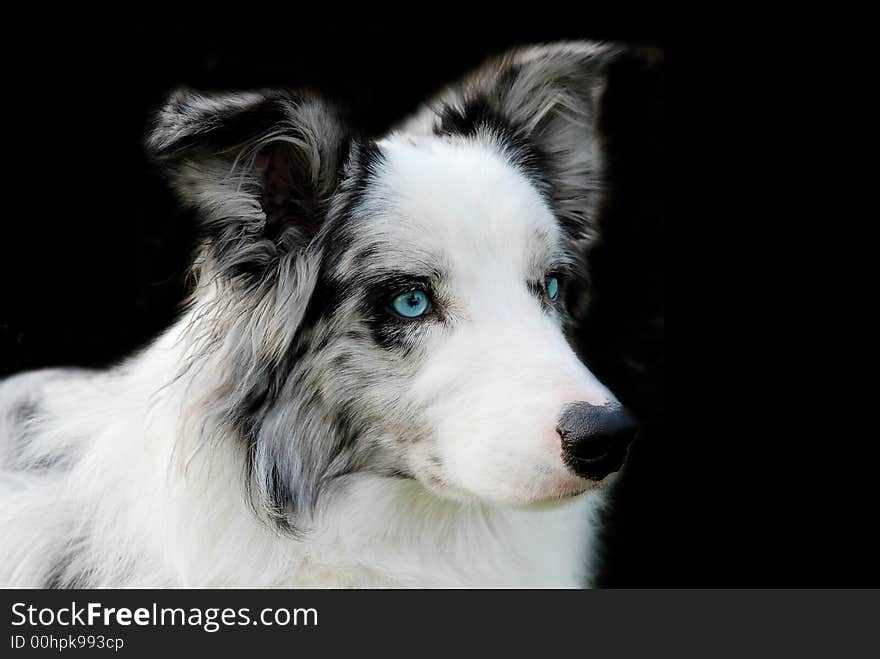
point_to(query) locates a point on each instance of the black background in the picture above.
(94, 249)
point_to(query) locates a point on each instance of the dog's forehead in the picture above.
(434, 199)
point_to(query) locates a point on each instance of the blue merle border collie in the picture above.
(371, 384)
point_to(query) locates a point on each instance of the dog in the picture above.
(371, 384)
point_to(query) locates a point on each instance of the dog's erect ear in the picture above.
(260, 167)
(550, 95)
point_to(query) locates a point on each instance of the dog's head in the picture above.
(398, 305)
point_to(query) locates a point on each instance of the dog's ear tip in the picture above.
(159, 143)
(188, 118)
(185, 113)
(166, 122)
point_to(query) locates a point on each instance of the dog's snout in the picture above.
(595, 439)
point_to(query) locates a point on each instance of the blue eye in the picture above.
(552, 287)
(411, 304)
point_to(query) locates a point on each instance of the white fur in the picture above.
(149, 515)
(132, 477)
(497, 375)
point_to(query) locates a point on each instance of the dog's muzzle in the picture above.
(595, 439)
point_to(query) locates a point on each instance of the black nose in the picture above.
(595, 439)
